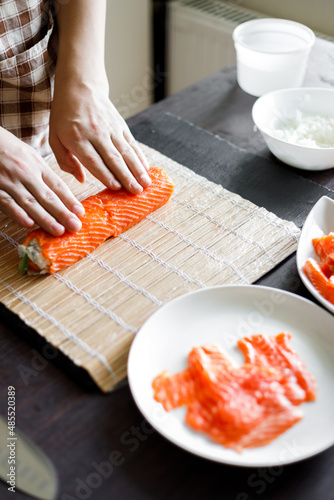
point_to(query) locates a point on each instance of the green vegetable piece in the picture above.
(23, 264)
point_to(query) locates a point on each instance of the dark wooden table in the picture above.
(100, 444)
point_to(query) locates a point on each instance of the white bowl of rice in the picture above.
(298, 126)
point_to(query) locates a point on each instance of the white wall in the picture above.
(316, 14)
(128, 54)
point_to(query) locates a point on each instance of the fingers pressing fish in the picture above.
(107, 214)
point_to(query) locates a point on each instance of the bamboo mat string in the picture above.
(163, 263)
(199, 247)
(225, 228)
(119, 275)
(95, 303)
(9, 239)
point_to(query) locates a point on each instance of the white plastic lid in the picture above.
(274, 36)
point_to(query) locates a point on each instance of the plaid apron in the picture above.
(28, 51)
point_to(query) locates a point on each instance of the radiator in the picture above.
(199, 38)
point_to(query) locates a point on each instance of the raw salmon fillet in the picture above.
(240, 407)
(321, 274)
(107, 214)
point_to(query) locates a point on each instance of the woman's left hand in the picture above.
(87, 131)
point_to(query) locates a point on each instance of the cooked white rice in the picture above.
(307, 130)
(34, 252)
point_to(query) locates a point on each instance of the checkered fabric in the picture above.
(28, 48)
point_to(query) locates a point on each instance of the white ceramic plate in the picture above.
(222, 315)
(320, 221)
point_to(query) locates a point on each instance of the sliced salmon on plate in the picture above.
(240, 407)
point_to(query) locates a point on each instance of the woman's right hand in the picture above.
(30, 192)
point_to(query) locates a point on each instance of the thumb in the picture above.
(67, 161)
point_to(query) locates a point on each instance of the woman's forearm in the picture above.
(81, 28)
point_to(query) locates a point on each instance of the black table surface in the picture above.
(81, 429)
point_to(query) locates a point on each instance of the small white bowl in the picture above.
(272, 110)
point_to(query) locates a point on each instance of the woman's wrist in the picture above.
(74, 81)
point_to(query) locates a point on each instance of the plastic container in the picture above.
(271, 54)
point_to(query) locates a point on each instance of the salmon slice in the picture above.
(320, 281)
(275, 352)
(324, 248)
(173, 390)
(240, 407)
(107, 214)
(326, 269)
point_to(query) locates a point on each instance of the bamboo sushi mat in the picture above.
(204, 236)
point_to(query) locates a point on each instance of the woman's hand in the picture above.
(86, 130)
(30, 192)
